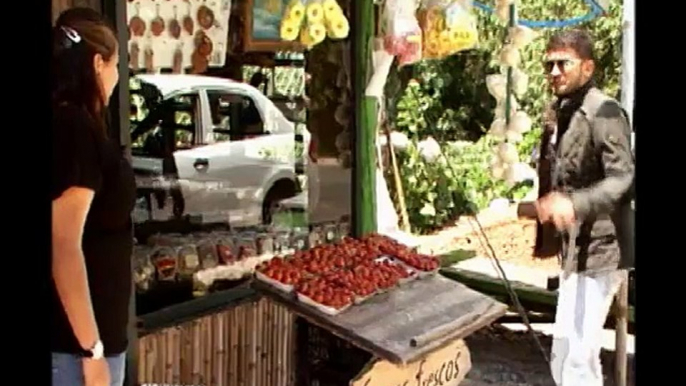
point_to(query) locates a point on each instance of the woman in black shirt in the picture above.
(93, 194)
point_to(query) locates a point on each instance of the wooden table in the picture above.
(406, 323)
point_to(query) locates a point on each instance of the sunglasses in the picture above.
(562, 65)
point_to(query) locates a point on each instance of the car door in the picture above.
(164, 181)
(246, 154)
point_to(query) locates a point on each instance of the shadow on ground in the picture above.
(511, 358)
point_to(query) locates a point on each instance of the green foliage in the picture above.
(439, 191)
(449, 101)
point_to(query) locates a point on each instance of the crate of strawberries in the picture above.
(425, 265)
(331, 277)
(279, 273)
(324, 295)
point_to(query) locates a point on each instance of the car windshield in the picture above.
(144, 97)
(150, 113)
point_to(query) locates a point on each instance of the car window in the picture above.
(167, 127)
(235, 117)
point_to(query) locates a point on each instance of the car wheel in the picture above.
(281, 190)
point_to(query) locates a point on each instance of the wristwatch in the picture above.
(96, 352)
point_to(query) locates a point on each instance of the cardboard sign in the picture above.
(447, 366)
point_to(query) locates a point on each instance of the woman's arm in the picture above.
(68, 265)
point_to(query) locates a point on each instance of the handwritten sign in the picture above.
(447, 366)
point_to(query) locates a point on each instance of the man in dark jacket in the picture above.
(586, 175)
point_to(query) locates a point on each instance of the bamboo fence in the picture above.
(252, 344)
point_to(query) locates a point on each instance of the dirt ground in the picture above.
(507, 358)
(512, 240)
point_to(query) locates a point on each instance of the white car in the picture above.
(212, 150)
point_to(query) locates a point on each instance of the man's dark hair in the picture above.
(575, 39)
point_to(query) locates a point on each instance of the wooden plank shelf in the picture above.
(406, 323)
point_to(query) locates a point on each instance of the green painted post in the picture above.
(508, 105)
(364, 163)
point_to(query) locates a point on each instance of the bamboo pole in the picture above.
(621, 330)
(196, 341)
(252, 345)
(233, 370)
(271, 367)
(404, 218)
(261, 351)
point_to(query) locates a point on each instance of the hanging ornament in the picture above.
(311, 21)
(520, 82)
(497, 86)
(500, 107)
(521, 36)
(508, 153)
(509, 56)
(498, 128)
(521, 122)
(502, 9)
(513, 136)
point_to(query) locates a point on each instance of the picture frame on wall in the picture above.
(262, 21)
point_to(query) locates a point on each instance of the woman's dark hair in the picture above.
(77, 14)
(79, 35)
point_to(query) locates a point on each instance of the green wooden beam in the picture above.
(364, 155)
(531, 297)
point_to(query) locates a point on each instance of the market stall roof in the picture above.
(405, 323)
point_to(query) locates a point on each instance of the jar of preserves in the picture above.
(226, 252)
(316, 236)
(189, 261)
(165, 260)
(207, 251)
(283, 243)
(264, 244)
(143, 268)
(300, 239)
(245, 246)
(331, 233)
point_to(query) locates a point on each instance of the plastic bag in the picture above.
(448, 27)
(402, 34)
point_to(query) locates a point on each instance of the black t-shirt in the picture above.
(83, 157)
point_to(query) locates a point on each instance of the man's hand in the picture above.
(96, 372)
(556, 208)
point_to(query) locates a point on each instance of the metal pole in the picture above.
(628, 101)
(115, 11)
(364, 149)
(628, 62)
(621, 330)
(512, 22)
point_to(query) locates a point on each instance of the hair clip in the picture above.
(71, 34)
